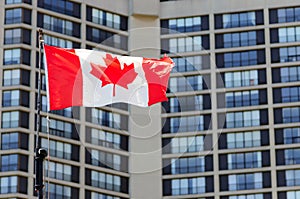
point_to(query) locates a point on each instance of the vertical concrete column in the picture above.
(145, 161)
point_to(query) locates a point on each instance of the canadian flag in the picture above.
(79, 77)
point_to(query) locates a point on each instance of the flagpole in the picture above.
(40, 153)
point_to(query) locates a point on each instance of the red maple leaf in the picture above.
(112, 73)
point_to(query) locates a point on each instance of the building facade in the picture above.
(230, 129)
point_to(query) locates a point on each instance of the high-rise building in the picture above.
(230, 129)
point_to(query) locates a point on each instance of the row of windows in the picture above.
(287, 94)
(285, 54)
(245, 181)
(188, 83)
(59, 128)
(242, 98)
(284, 15)
(61, 6)
(186, 44)
(191, 63)
(106, 160)
(106, 38)
(106, 139)
(15, 98)
(106, 118)
(237, 59)
(63, 43)
(242, 119)
(16, 77)
(8, 2)
(14, 140)
(188, 165)
(186, 144)
(17, 15)
(95, 195)
(106, 18)
(286, 74)
(187, 24)
(17, 36)
(16, 56)
(238, 39)
(62, 171)
(15, 119)
(107, 181)
(243, 139)
(282, 35)
(61, 150)
(14, 162)
(187, 103)
(244, 160)
(61, 191)
(59, 25)
(241, 78)
(184, 186)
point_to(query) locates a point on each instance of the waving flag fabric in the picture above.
(79, 77)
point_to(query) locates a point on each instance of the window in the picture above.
(58, 149)
(58, 191)
(185, 103)
(188, 83)
(239, 39)
(107, 38)
(239, 19)
(188, 24)
(290, 94)
(16, 56)
(16, 77)
(187, 144)
(95, 195)
(291, 34)
(292, 156)
(106, 160)
(15, 98)
(105, 139)
(9, 162)
(185, 186)
(10, 119)
(237, 59)
(8, 2)
(61, 6)
(241, 78)
(9, 141)
(290, 74)
(59, 25)
(245, 181)
(9, 184)
(292, 177)
(106, 118)
(292, 194)
(17, 36)
(108, 19)
(243, 139)
(55, 41)
(13, 16)
(187, 165)
(243, 119)
(242, 98)
(290, 115)
(190, 63)
(12, 56)
(291, 135)
(106, 181)
(284, 15)
(58, 171)
(58, 128)
(186, 124)
(286, 54)
(248, 196)
(187, 44)
(244, 160)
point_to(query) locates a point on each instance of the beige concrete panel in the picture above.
(146, 7)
